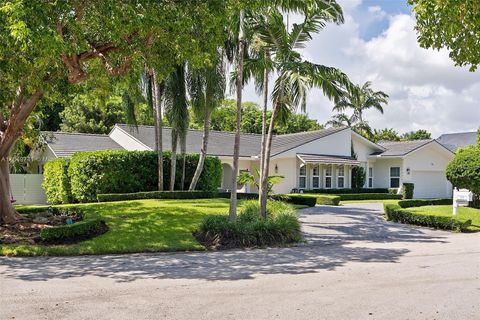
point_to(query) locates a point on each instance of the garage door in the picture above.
(430, 184)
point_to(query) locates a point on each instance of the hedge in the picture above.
(323, 199)
(102, 172)
(407, 190)
(370, 196)
(396, 214)
(348, 191)
(57, 182)
(292, 198)
(65, 233)
(421, 202)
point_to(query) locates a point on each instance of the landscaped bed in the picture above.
(436, 216)
(136, 226)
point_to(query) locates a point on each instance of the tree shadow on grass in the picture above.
(331, 243)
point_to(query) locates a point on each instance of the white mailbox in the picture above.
(461, 198)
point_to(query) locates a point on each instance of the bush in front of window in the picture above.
(358, 177)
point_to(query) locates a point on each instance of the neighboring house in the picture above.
(307, 160)
(455, 141)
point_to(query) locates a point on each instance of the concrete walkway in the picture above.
(354, 265)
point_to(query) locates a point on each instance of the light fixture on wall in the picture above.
(276, 168)
(408, 171)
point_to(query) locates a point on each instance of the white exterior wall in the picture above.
(337, 144)
(127, 141)
(381, 171)
(288, 168)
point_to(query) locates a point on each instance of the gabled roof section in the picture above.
(65, 144)
(221, 143)
(403, 148)
(455, 141)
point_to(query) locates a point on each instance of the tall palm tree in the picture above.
(295, 76)
(344, 120)
(359, 99)
(207, 89)
(176, 111)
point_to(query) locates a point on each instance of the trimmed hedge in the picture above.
(57, 182)
(370, 196)
(292, 198)
(407, 190)
(393, 190)
(74, 231)
(396, 214)
(323, 199)
(348, 191)
(102, 172)
(424, 202)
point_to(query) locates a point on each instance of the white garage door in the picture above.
(430, 184)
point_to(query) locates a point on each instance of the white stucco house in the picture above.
(308, 160)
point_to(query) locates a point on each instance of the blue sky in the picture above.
(378, 43)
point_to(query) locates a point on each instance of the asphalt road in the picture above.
(354, 266)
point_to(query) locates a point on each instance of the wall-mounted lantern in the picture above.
(408, 171)
(276, 168)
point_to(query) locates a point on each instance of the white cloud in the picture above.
(426, 90)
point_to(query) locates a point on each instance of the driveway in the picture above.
(354, 265)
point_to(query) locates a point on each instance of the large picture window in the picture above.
(316, 177)
(394, 177)
(302, 177)
(341, 177)
(328, 178)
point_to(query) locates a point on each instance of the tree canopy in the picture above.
(420, 134)
(450, 24)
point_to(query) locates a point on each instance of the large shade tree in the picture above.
(46, 45)
(450, 24)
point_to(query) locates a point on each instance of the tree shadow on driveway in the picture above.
(331, 243)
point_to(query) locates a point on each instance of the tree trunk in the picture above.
(236, 148)
(8, 213)
(266, 163)
(9, 133)
(173, 160)
(263, 198)
(157, 110)
(203, 151)
(183, 151)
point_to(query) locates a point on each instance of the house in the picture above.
(308, 160)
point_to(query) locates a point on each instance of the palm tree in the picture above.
(343, 120)
(207, 90)
(176, 110)
(295, 76)
(359, 99)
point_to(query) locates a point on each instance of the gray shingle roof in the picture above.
(454, 141)
(221, 143)
(66, 144)
(401, 148)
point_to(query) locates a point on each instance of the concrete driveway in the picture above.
(353, 266)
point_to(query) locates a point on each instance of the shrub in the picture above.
(324, 199)
(102, 172)
(76, 231)
(358, 177)
(396, 214)
(307, 200)
(407, 190)
(249, 230)
(348, 191)
(393, 190)
(57, 182)
(369, 196)
(424, 202)
(464, 170)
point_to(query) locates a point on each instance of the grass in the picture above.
(463, 214)
(137, 226)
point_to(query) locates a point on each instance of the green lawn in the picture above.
(137, 226)
(463, 214)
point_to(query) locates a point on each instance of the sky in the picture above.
(378, 43)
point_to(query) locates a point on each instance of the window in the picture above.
(328, 177)
(302, 181)
(370, 177)
(341, 177)
(316, 177)
(394, 177)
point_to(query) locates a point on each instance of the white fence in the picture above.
(27, 188)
